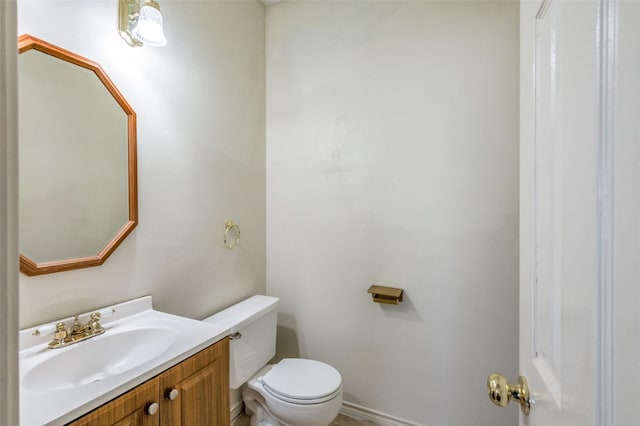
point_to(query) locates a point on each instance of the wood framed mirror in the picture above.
(78, 160)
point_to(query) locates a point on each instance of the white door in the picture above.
(561, 228)
(580, 211)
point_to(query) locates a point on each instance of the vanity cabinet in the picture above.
(129, 409)
(192, 393)
(196, 391)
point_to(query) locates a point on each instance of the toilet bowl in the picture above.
(293, 392)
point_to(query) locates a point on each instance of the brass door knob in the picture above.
(501, 392)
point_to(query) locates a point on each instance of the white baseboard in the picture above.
(236, 410)
(359, 412)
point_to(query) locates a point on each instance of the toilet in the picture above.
(293, 392)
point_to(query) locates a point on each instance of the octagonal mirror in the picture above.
(77, 171)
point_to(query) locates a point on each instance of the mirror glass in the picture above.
(75, 172)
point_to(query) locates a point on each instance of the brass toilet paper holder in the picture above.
(383, 294)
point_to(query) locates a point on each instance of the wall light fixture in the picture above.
(140, 26)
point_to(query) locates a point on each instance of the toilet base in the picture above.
(260, 417)
(258, 406)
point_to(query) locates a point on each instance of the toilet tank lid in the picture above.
(238, 316)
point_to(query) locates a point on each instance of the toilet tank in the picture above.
(255, 319)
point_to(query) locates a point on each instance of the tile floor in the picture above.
(340, 421)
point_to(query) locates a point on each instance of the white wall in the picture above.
(201, 157)
(392, 158)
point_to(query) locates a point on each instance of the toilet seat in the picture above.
(302, 381)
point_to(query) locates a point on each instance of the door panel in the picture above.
(546, 280)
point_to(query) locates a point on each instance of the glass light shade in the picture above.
(149, 27)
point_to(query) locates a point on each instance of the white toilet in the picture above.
(293, 392)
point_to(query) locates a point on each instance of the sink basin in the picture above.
(60, 385)
(98, 358)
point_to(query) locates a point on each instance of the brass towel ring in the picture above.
(231, 234)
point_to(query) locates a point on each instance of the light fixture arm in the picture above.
(128, 12)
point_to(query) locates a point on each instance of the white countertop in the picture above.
(40, 407)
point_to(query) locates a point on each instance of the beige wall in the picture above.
(201, 157)
(392, 158)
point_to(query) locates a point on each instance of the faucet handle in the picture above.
(98, 315)
(60, 336)
(49, 329)
(61, 332)
(94, 323)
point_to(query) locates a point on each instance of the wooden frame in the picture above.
(29, 267)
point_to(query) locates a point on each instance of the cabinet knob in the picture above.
(152, 408)
(172, 394)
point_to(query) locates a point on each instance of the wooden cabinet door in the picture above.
(129, 409)
(202, 385)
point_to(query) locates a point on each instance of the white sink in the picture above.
(98, 358)
(59, 385)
